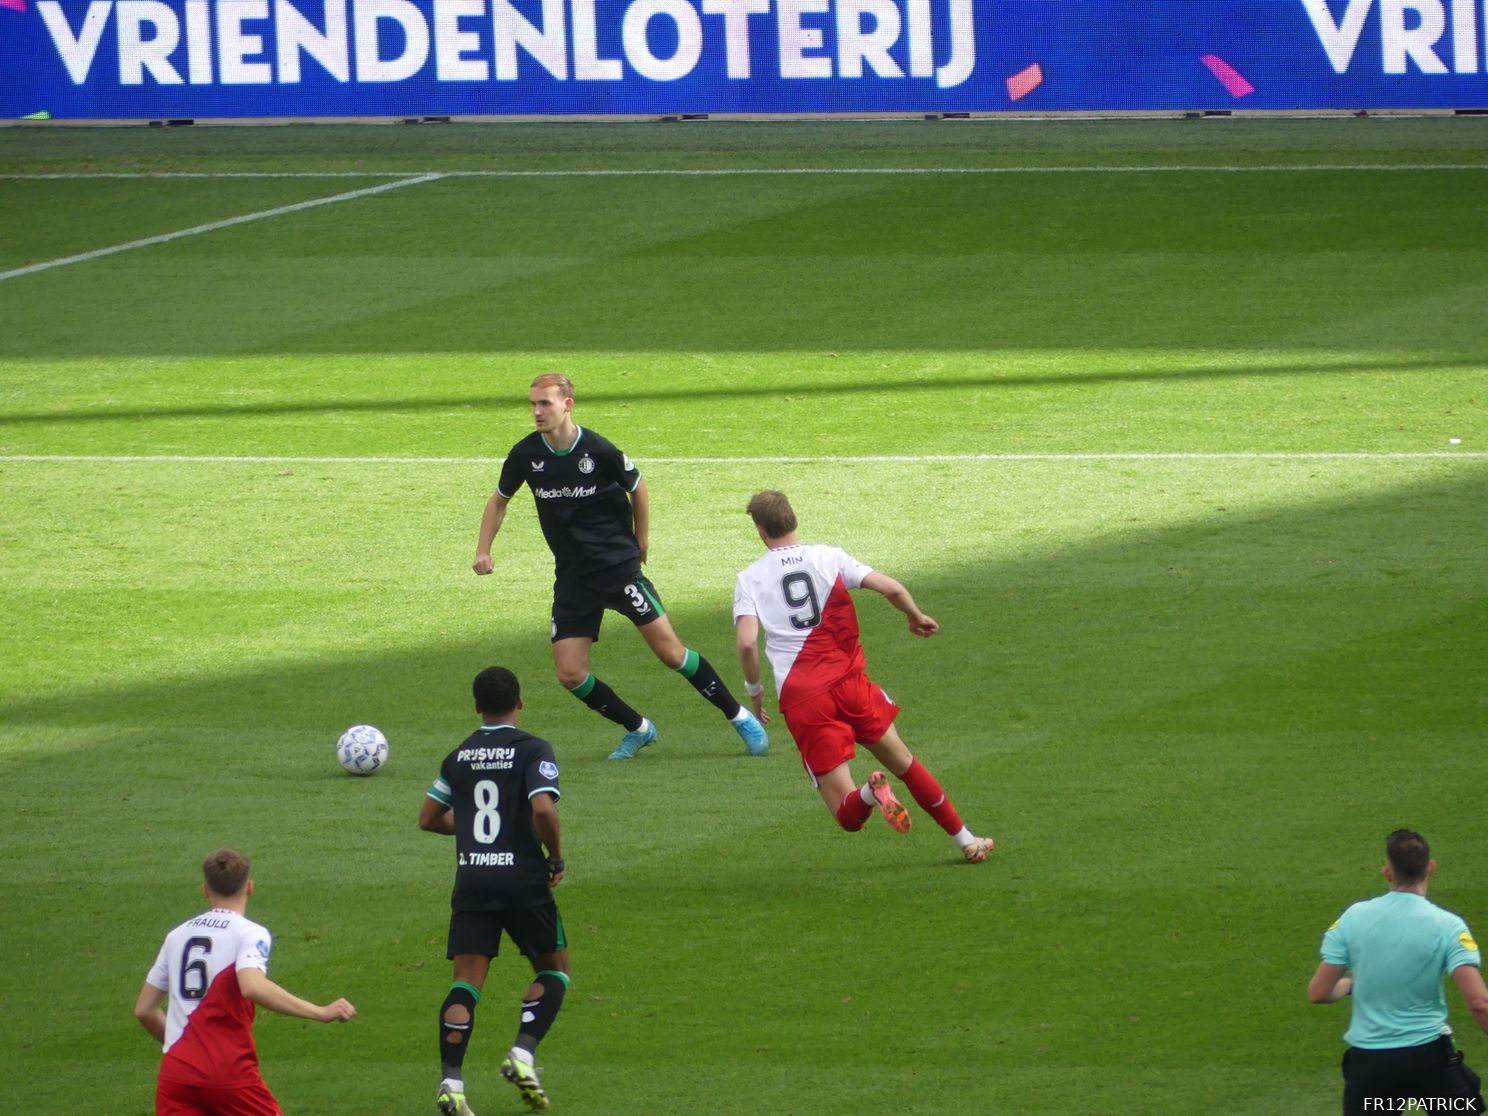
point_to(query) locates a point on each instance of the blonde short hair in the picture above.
(558, 380)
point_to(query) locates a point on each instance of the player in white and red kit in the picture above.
(214, 969)
(800, 596)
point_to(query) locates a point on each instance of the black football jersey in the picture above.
(488, 782)
(582, 496)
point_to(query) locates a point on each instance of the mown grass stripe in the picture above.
(212, 226)
(727, 172)
(842, 459)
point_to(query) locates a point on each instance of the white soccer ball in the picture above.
(362, 749)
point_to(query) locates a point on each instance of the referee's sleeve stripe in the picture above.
(544, 790)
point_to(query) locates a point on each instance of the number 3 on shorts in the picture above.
(637, 599)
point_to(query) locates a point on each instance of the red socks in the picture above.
(853, 813)
(928, 794)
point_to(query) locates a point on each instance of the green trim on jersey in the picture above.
(563, 977)
(562, 938)
(564, 452)
(690, 662)
(472, 989)
(585, 688)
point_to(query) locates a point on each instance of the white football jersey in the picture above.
(208, 1024)
(800, 595)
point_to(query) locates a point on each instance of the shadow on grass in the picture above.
(745, 391)
(1161, 723)
(1131, 625)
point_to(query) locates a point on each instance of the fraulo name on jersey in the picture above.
(269, 42)
(205, 923)
(564, 493)
(487, 860)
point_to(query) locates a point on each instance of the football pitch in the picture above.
(1178, 428)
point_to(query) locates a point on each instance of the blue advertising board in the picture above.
(142, 59)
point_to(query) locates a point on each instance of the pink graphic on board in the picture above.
(1025, 82)
(14, 5)
(1228, 76)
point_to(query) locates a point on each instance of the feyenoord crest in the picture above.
(586, 464)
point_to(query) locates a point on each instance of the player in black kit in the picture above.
(595, 514)
(497, 795)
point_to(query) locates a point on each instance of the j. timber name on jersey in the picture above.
(486, 860)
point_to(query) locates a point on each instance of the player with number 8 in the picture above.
(497, 795)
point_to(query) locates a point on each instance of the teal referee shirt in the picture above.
(1399, 948)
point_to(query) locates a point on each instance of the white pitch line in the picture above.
(842, 459)
(214, 226)
(133, 175)
(729, 172)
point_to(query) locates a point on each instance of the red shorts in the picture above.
(827, 726)
(175, 1098)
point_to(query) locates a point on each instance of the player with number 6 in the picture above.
(198, 1002)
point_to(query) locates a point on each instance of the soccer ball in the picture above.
(362, 749)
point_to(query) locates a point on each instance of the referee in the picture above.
(1398, 947)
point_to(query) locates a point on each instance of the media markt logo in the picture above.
(565, 493)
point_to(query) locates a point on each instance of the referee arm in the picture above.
(1469, 980)
(1329, 985)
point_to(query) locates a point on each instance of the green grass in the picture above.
(1189, 695)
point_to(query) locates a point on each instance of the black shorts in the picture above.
(579, 604)
(1384, 1081)
(535, 930)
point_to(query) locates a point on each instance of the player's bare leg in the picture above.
(539, 1008)
(664, 643)
(890, 750)
(456, 1022)
(571, 662)
(662, 639)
